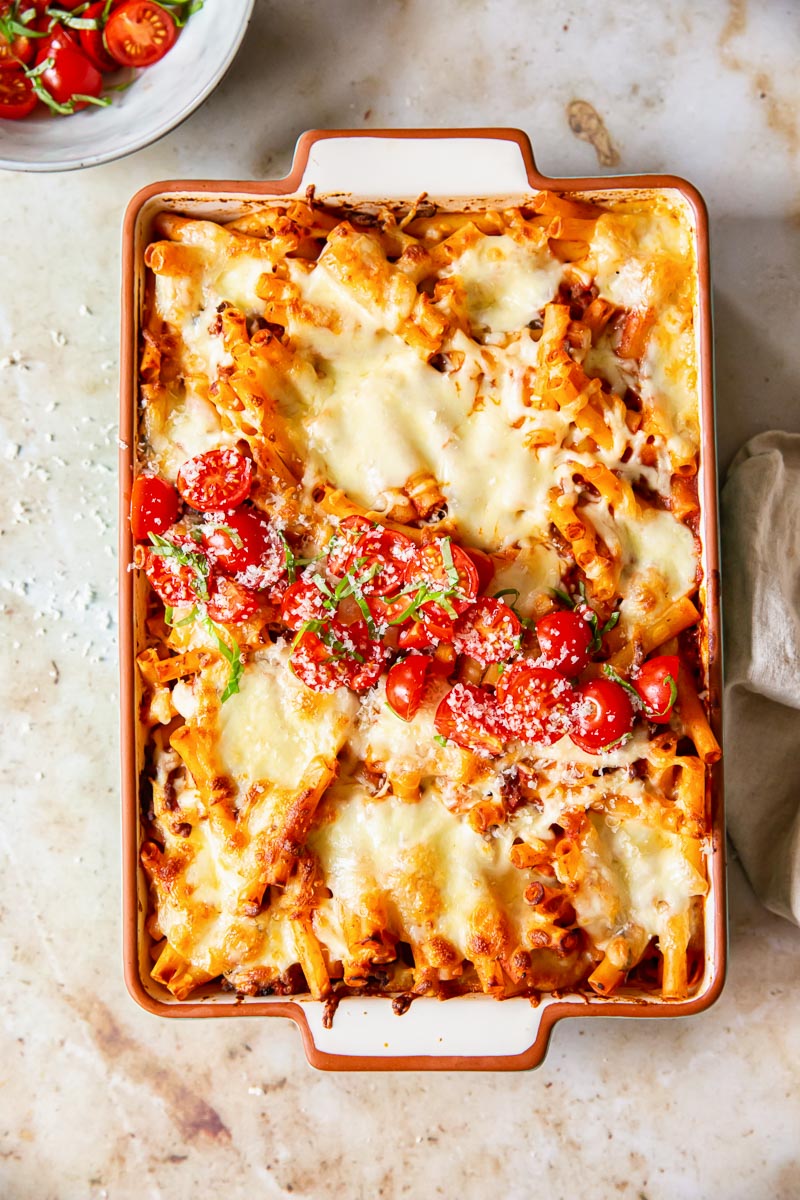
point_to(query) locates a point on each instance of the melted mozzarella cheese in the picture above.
(435, 867)
(506, 283)
(636, 875)
(275, 726)
(191, 426)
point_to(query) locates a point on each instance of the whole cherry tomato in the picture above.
(154, 506)
(603, 715)
(565, 639)
(657, 684)
(405, 685)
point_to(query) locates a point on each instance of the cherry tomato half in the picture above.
(71, 73)
(174, 582)
(488, 631)
(91, 40)
(537, 702)
(470, 716)
(216, 479)
(17, 97)
(228, 601)
(483, 565)
(12, 53)
(154, 506)
(416, 636)
(602, 715)
(405, 685)
(139, 33)
(565, 640)
(430, 566)
(340, 547)
(242, 543)
(302, 602)
(383, 555)
(349, 659)
(657, 685)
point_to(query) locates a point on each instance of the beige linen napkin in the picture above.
(761, 608)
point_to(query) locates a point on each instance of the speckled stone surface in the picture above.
(98, 1099)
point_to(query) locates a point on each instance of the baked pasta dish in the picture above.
(421, 604)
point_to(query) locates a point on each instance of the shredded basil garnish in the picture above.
(231, 654)
(611, 673)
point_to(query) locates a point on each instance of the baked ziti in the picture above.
(422, 656)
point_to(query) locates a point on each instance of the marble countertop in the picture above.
(98, 1099)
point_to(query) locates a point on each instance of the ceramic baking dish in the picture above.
(457, 169)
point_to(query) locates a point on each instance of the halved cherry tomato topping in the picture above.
(439, 626)
(244, 544)
(483, 565)
(17, 97)
(357, 640)
(565, 639)
(173, 581)
(91, 40)
(470, 716)
(348, 658)
(537, 703)
(416, 636)
(657, 684)
(488, 631)
(216, 479)
(341, 545)
(12, 53)
(139, 33)
(379, 559)
(71, 74)
(154, 506)
(443, 567)
(602, 715)
(302, 602)
(228, 601)
(405, 685)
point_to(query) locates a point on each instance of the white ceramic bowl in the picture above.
(159, 99)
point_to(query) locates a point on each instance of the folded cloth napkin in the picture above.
(761, 608)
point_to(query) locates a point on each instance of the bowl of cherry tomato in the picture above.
(86, 81)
